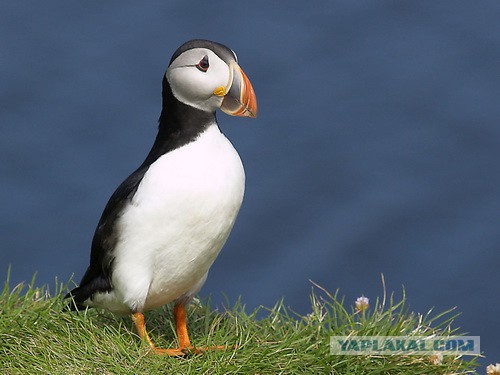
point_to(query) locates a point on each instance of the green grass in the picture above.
(37, 337)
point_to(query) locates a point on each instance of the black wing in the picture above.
(97, 278)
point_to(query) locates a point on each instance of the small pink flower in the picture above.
(493, 369)
(362, 304)
(436, 359)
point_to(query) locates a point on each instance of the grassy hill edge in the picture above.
(37, 336)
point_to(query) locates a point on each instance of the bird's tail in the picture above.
(85, 292)
(75, 300)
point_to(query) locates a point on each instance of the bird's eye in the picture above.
(203, 64)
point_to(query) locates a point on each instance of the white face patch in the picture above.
(193, 86)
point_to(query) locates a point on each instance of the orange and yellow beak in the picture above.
(239, 97)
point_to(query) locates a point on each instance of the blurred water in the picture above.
(376, 149)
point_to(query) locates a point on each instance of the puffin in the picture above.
(165, 224)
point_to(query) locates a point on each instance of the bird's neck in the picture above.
(179, 124)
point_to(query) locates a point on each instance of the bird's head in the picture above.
(206, 75)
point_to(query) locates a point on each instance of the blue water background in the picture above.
(376, 149)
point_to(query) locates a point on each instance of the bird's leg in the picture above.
(181, 326)
(182, 334)
(138, 319)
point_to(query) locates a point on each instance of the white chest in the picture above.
(178, 220)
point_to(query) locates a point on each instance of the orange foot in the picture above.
(185, 346)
